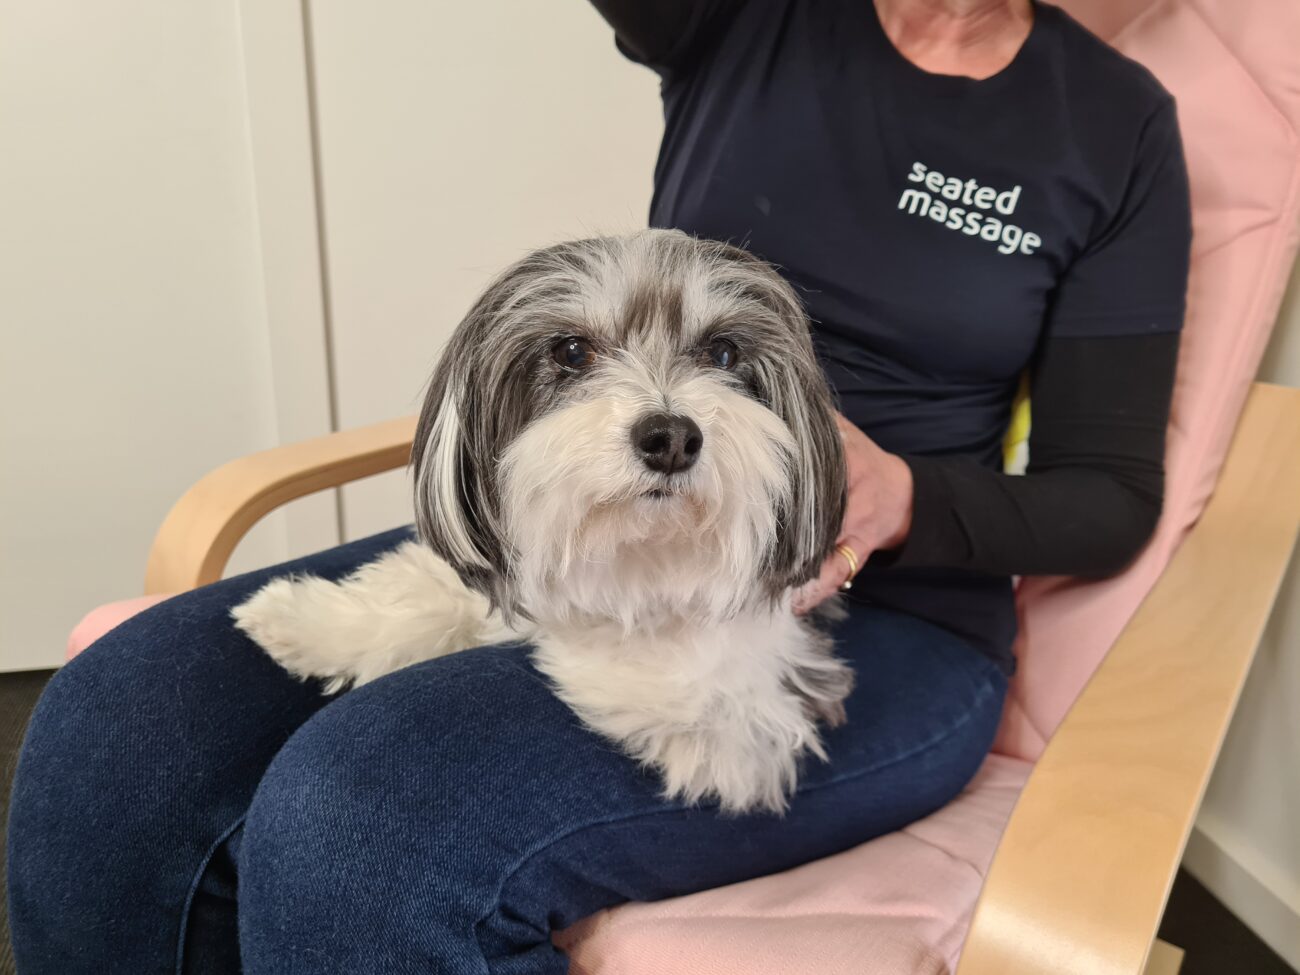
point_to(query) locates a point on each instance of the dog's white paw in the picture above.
(746, 754)
(403, 608)
(725, 715)
(744, 771)
(280, 618)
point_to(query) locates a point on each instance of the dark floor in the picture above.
(1215, 941)
(18, 692)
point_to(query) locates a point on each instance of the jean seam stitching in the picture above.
(523, 861)
(194, 887)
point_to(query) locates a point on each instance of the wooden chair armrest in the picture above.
(201, 530)
(1081, 876)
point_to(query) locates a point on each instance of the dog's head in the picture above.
(630, 425)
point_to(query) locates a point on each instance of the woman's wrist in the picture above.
(881, 490)
(901, 492)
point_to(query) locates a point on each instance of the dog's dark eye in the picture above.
(723, 354)
(574, 353)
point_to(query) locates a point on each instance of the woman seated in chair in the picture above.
(963, 192)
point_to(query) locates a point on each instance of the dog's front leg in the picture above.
(724, 714)
(405, 607)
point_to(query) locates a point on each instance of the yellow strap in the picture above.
(1018, 430)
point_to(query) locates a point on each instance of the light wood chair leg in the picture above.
(1164, 959)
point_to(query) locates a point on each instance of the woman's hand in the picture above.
(877, 515)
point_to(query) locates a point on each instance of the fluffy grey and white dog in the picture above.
(626, 459)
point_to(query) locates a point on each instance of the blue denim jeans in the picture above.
(183, 805)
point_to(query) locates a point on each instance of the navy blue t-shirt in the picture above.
(941, 230)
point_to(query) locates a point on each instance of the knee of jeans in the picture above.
(355, 762)
(430, 753)
(129, 732)
(351, 810)
(92, 699)
(70, 799)
(100, 715)
(76, 720)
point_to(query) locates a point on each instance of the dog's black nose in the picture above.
(668, 444)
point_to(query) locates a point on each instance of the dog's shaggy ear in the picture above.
(796, 390)
(811, 521)
(482, 395)
(459, 437)
(455, 511)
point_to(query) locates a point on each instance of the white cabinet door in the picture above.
(453, 137)
(134, 344)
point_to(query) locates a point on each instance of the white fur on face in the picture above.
(650, 304)
(588, 538)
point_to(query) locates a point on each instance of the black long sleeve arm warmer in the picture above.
(1093, 489)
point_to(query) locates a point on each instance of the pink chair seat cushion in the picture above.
(104, 618)
(900, 903)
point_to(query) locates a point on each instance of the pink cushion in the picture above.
(1232, 67)
(104, 618)
(899, 904)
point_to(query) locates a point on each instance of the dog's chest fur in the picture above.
(725, 708)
